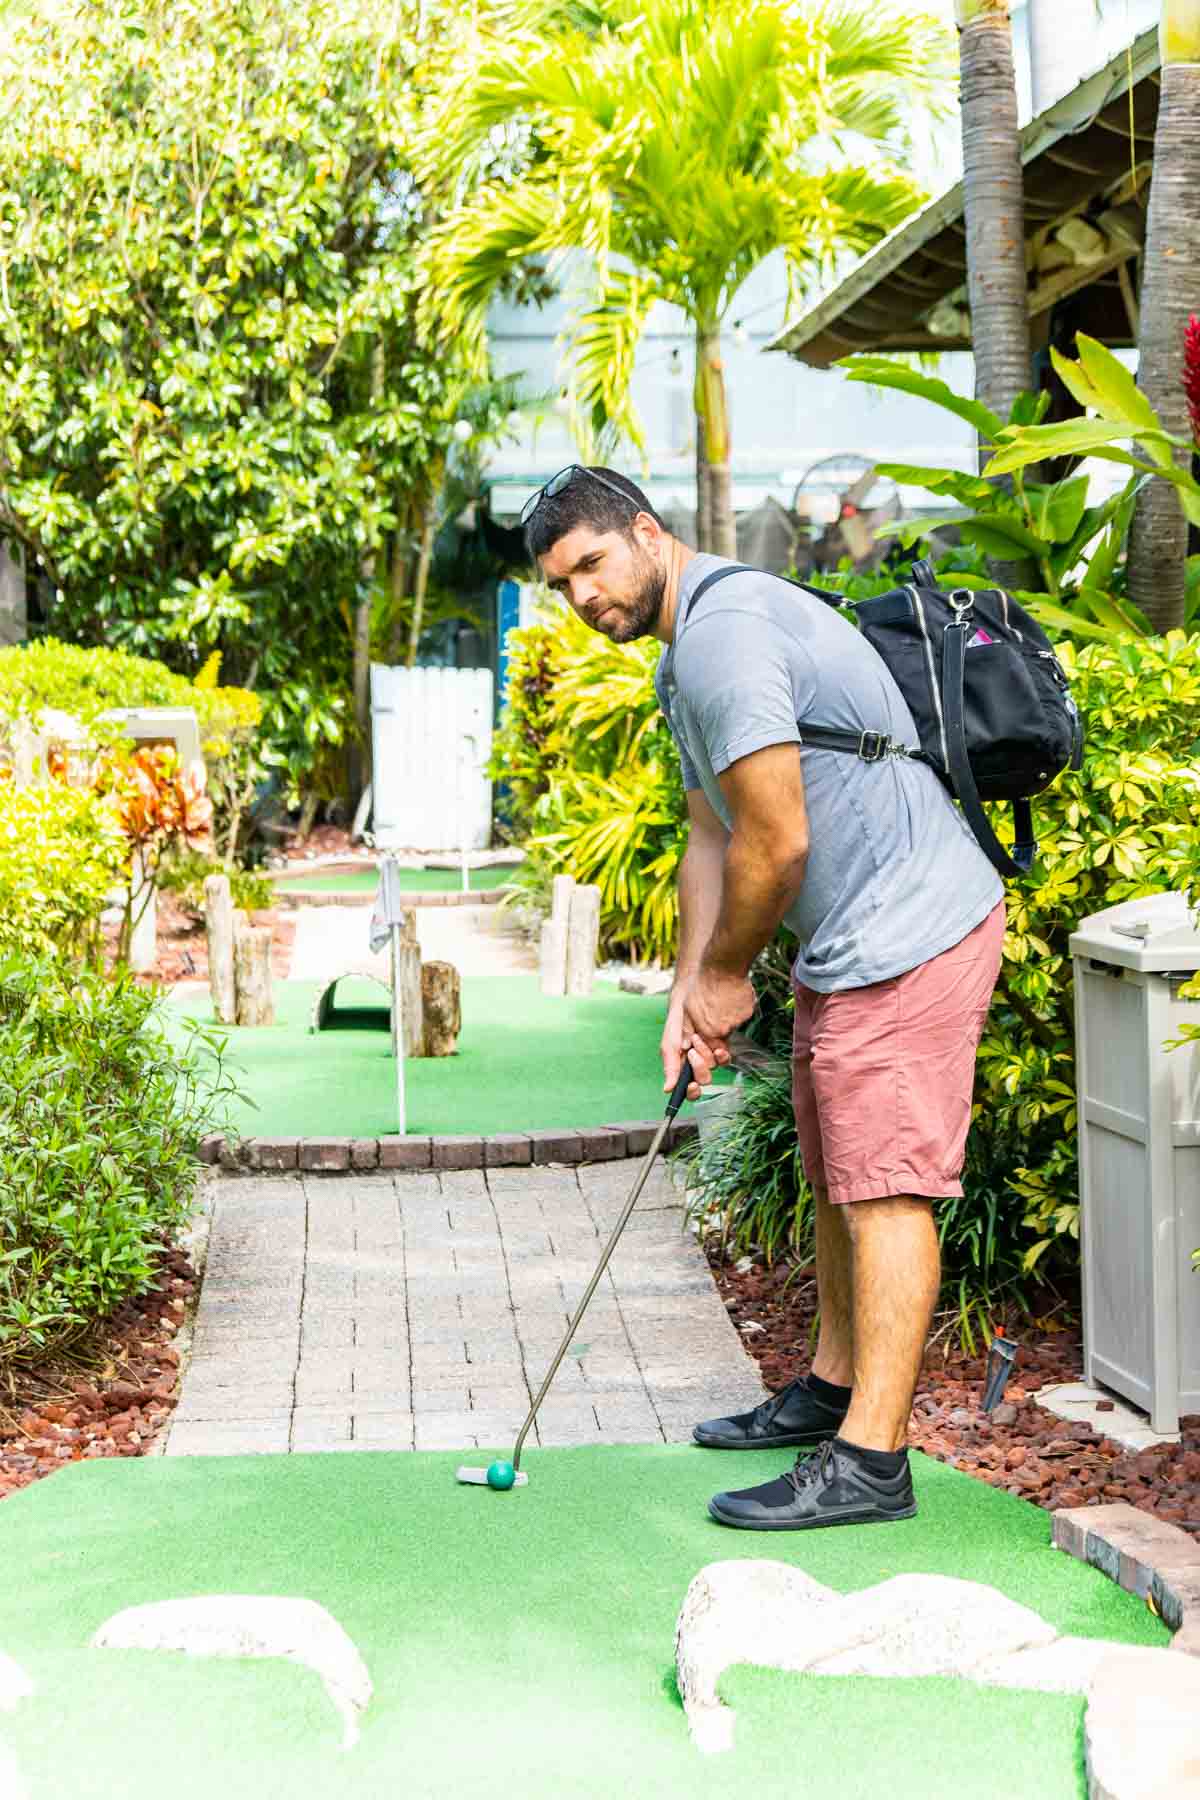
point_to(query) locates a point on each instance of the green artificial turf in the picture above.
(526, 1062)
(518, 1644)
(413, 881)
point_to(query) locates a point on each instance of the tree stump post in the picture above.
(441, 1006)
(252, 974)
(583, 940)
(406, 985)
(552, 957)
(218, 925)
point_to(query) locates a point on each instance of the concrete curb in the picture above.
(508, 1149)
(1146, 1556)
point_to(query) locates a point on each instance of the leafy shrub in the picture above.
(100, 1121)
(594, 778)
(184, 875)
(1125, 825)
(61, 852)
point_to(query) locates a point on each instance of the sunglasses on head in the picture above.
(563, 479)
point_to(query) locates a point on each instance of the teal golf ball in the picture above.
(501, 1475)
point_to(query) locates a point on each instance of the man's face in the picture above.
(614, 584)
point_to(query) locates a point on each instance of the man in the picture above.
(900, 918)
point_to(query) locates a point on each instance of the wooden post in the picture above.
(552, 957)
(218, 923)
(560, 898)
(583, 940)
(406, 986)
(441, 1006)
(252, 974)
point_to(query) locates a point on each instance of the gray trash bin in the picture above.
(1139, 1154)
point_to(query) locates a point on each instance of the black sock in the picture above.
(837, 1398)
(876, 1462)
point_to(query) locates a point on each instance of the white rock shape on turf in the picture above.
(14, 1683)
(251, 1625)
(772, 1615)
(11, 1785)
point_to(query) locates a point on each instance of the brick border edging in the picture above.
(1146, 1556)
(509, 1149)
(480, 897)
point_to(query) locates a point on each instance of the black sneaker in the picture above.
(792, 1416)
(827, 1487)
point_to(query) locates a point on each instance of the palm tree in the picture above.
(678, 143)
(994, 204)
(1170, 292)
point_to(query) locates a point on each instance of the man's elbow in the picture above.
(789, 858)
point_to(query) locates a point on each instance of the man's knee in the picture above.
(866, 1218)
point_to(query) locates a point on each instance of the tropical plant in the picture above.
(101, 1116)
(679, 143)
(183, 874)
(1170, 279)
(594, 778)
(1074, 549)
(993, 204)
(160, 805)
(61, 854)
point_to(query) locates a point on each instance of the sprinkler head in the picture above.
(501, 1475)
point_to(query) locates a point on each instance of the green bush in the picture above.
(61, 852)
(184, 877)
(100, 1121)
(594, 778)
(1125, 825)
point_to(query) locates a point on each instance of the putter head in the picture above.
(478, 1477)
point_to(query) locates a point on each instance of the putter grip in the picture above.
(686, 1078)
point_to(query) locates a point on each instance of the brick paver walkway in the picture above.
(418, 1311)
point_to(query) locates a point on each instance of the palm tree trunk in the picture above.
(1170, 292)
(703, 513)
(712, 417)
(993, 191)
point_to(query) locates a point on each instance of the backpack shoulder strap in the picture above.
(954, 659)
(830, 599)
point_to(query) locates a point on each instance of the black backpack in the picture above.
(989, 698)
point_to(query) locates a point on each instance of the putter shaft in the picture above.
(673, 1106)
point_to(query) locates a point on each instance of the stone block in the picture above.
(325, 1153)
(556, 1146)
(603, 1143)
(237, 1155)
(364, 1153)
(405, 1152)
(462, 1152)
(639, 1134)
(277, 1153)
(210, 1148)
(1140, 1727)
(680, 1131)
(506, 1149)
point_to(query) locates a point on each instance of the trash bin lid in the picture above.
(1155, 933)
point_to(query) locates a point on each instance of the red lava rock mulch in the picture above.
(111, 1398)
(1022, 1447)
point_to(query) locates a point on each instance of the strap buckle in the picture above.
(873, 746)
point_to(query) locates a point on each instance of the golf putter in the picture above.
(480, 1477)
(1001, 1357)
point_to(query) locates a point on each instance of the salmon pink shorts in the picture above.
(883, 1076)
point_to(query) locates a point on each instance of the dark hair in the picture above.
(584, 502)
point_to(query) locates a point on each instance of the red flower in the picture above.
(1191, 372)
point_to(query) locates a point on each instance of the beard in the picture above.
(637, 615)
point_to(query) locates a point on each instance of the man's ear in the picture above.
(649, 533)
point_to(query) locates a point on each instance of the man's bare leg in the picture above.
(834, 1360)
(896, 1268)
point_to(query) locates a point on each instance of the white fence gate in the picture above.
(431, 735)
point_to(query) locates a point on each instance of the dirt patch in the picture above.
(1021, 1448)
(182, 945)
(111, 1395)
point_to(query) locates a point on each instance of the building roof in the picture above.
(1084, 173)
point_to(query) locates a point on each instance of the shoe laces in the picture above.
(811, 1468)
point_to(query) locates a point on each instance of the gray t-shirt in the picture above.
(894, 875)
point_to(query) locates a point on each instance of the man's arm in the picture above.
(700, 878)
(763, 869)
